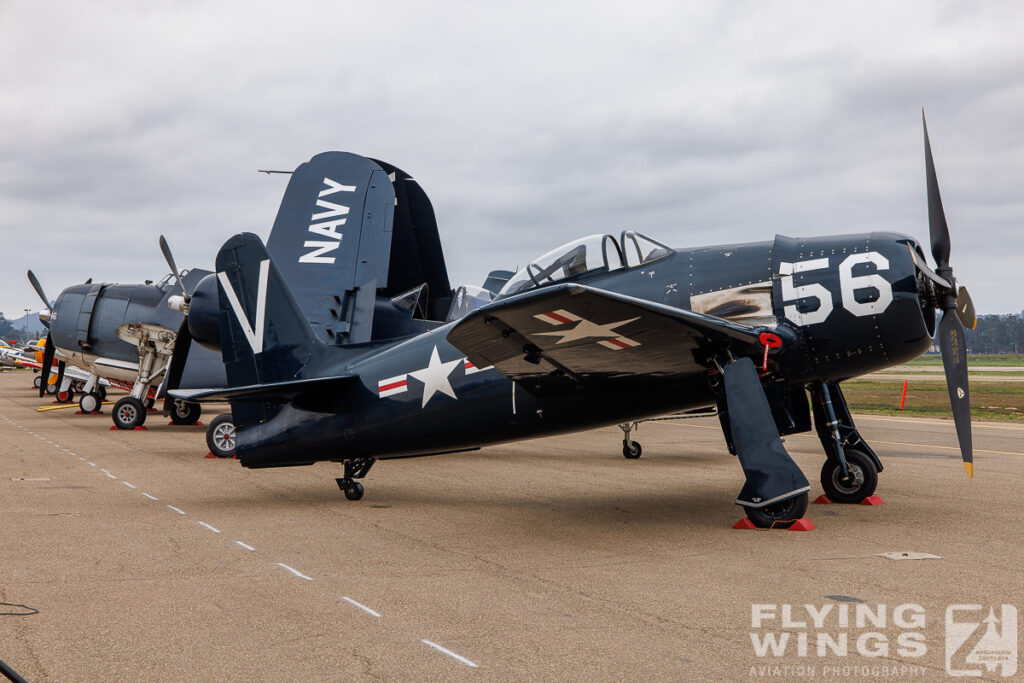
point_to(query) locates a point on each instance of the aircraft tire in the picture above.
(865, 478)
(66, 396)
(89, 403)
(129, 413)
(187, 417)
(220, 436)
(780, 515)
(632, 449)
(37, 381)
(353, 490)
(51, 389)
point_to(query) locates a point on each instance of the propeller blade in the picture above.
(48, 351)
(182, 344)
(928, 272)
(965, 309)
(953, 343)
(39, 288)
(937, 228)
(166, 249)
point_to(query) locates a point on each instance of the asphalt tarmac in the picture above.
(554, 559)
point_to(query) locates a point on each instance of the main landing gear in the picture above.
(850, 472)
(354, 469)
(220, 436)
(185, 413)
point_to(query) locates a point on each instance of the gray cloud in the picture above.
(528, 125)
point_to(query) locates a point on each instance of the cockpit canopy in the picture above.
(591, 254)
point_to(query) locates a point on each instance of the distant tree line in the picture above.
(997, 334)
(8, 331)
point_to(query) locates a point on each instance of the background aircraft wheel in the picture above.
(779, 515)
(220, 436)
(353, 490)
(66, 396)
(863, 473)
(129, 413)
(102, 394)
(51, 389)
(149, 403)
(632, 449)
(185, 413)
(37, 381)
(89, 403)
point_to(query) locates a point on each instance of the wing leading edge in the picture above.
(570, 337)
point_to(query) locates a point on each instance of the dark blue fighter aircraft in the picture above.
(603, 330)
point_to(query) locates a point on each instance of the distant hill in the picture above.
(30, 323)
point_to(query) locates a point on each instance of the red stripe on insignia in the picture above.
(393, 385)
(618, 342)
(469, 365)
(560, 318)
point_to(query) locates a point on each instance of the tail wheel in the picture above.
(632, 449)
(862, 482)
(779, 515)
(220, 436)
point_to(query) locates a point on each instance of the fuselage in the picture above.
(85, 318)
(853, 304)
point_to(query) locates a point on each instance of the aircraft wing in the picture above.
(570, 337)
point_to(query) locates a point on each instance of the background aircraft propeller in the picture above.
(183, 341)
(48, 351)
(957, 311)
(169, 257)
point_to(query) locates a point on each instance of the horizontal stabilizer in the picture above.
(276, 392)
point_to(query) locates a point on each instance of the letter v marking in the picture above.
(255, 338)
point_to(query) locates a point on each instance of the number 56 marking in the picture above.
(849, 284)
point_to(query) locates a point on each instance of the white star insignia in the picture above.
(585, 329)
(435, 377)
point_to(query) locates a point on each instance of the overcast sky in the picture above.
(528, 125)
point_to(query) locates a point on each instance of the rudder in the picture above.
(265, 337)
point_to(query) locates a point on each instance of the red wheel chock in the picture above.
(95, 412)
(822, 500)
(114, 428)
(872, 500)
(802, 524)
(197, 423)
(208, 456)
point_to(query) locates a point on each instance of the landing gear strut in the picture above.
(354, 469)
(850, 473)
(630, 449)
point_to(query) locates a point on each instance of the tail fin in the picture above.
(265, 337)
